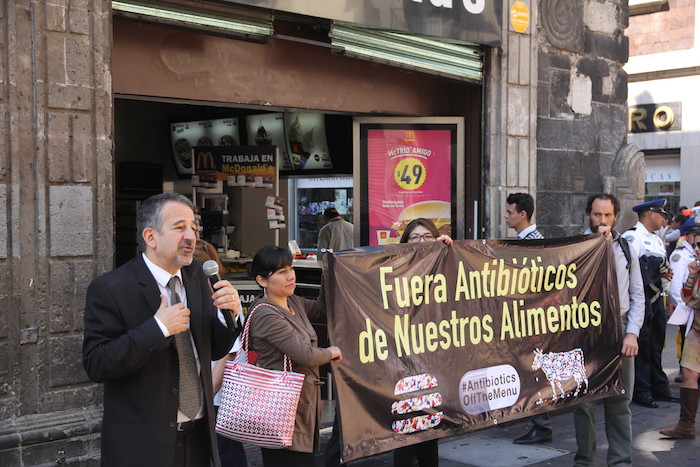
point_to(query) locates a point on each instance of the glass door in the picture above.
(309, 198)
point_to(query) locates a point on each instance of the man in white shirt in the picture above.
(519, 209)
(602, 210)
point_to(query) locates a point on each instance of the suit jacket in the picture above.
(125, 349)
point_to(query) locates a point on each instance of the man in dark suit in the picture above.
(152, 327)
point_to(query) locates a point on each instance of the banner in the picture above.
(409, 175)
(439, 340)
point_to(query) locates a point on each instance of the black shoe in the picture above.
(679, 378)
(534, 436)
(668, 397)
(646, 401)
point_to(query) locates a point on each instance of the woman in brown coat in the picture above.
(281, 326)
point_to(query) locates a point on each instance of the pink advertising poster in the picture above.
(409, 176)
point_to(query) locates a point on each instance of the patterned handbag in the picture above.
(258, 406)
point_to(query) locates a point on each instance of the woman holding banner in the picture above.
(420, 230)
(690, 359)
(280, 326)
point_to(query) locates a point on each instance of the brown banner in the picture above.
(439, 340)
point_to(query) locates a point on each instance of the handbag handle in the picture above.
(244, 339)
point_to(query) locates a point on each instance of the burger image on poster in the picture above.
(183, 152)
(185, 135)
(438, 212)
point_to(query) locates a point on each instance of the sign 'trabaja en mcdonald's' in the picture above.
(439, 340)
(226, 161)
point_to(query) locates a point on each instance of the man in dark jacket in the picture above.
(151, 329)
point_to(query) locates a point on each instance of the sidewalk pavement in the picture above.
(494, 447)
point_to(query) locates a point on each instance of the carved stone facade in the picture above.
(56, 205)
(510, 126)
(581, 112)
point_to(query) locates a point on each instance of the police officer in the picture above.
(650, 380)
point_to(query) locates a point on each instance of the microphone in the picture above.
(211, 269)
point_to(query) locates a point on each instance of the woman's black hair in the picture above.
(268, 260)
(415, 223)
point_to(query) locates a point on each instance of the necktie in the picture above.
(189, 392)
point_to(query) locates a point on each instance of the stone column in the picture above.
(56, 201)
(581, 111)
(510, 119)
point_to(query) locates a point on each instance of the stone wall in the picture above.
(672, 28)
(581, 112)
(56, 204)
(509, 122)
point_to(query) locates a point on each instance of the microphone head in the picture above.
(210, 268)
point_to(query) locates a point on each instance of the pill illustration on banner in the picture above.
(411, 387)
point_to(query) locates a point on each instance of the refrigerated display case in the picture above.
(308, 198)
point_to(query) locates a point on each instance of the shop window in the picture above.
(669, 190)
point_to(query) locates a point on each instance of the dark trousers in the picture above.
(231, 452)
(542, 422)
(426, 453)
(332, 456)
(649, 376)
(286, 458)
(192, 446)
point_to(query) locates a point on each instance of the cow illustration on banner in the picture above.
(439, 340)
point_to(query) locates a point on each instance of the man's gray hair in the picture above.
(149, 215)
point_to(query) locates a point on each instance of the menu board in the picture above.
(185, 135)
(409, 175)
(306, 139)
(268, 130)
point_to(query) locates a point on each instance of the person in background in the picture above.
(519, 210)
(231, 452)
(602, 210)
(337, 234)
(674, 234)
(151, 327)
(417, 231)
(650, 380)
(281, 326)
(681, 257)
(204, 251)
(665, 227)
(690, 360)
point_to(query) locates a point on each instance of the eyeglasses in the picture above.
(415, 238)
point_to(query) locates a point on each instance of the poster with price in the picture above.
(409, 175)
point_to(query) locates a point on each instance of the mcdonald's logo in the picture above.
(409, 137)
(205, 161)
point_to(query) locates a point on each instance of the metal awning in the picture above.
(460, 60)
(253, 29)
